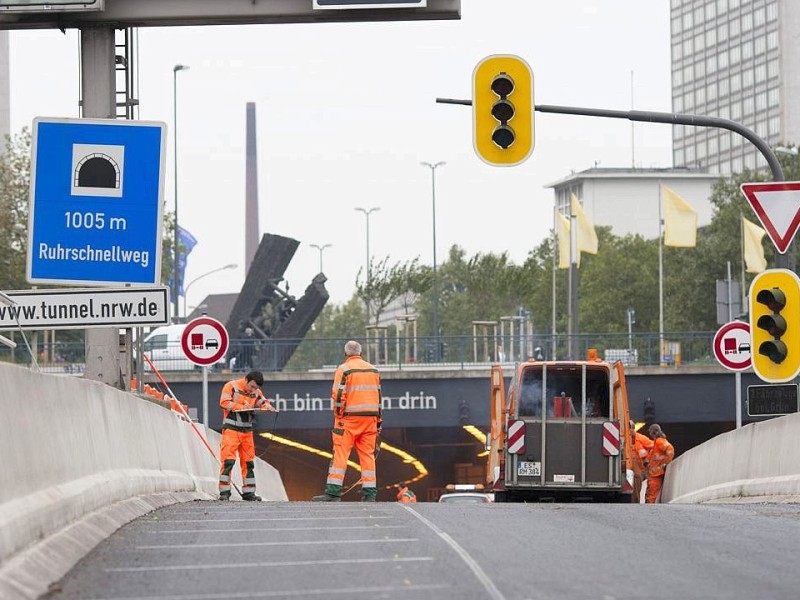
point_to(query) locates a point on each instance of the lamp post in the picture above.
(217, 270)
(435, 284)
(367, 212)
(321, 249)
(176, 284)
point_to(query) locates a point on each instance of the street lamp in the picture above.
(367, 212)
(176, 284)
(434, 287)
(186, 289)
(321, 249)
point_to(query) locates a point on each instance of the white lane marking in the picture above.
(246, 529)
(255, 544)
(487, 583)
(251, 520)
(286, 593)
(287, 563)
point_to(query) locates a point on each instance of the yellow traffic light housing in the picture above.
(502, 110)
(775, 325)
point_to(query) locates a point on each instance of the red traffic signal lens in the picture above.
(502, 85)
(503, 136)
(774, 299)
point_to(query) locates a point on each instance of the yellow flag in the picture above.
(587, 237)
(680, 220)
(562, 231)
(752, 235)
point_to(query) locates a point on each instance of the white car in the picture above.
(163, 347)
(465, 494)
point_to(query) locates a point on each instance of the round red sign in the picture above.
(732, 346)
(204, 341)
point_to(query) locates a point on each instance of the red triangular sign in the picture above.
(777, 206)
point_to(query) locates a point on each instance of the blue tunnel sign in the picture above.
(96, 201)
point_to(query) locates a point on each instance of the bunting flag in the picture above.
(562, 231)
(587, 237)
(754, 258)
(186, 242)
(680, 220)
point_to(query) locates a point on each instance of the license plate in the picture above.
(529, 469)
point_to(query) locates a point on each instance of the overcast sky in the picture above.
(346, 112)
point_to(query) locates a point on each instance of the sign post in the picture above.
(731, 347)
(204, 342)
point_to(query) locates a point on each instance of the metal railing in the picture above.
(454, 352)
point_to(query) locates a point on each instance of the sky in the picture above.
(346, 113)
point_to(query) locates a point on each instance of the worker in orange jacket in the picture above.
(237, 432)
(660, 455)
(641, 448)
(406, 496)
(356, 403)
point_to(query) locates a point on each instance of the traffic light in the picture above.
(502, 110)
(649, 414)
(775, 325)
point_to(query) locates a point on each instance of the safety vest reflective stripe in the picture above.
(368, 484)
(361, 388)
(225, 478)
(359, 408)
(224, 488)
(237, 422)
(334, 470)
(250, 481)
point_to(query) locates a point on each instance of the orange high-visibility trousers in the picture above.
(361, 432)
(232, 442)
(654, 483)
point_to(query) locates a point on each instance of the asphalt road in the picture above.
(237, 550)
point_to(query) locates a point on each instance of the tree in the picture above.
(389, 283)
(14, 191)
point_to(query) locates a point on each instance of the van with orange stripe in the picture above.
(560, 433)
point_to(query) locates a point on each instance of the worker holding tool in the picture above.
(356, 402)
(238, 397)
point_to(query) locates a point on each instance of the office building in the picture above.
(739, 60)
(627, 199)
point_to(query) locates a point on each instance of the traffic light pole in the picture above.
(781, 260)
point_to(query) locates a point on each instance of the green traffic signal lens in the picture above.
(774, 324)
(503, 110)
(503, 136)
(502, 85)
(775, 350)
(774, 299)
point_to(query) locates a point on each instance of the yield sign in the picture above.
(777, 206)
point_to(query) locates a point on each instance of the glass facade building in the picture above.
(735, 59)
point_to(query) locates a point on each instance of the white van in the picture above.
(163, 347)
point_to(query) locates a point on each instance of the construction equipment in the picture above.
(561, 433)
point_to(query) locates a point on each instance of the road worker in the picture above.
(237, 432)
(660, 455)
(356, 403)
(641, 445)
(406, 496)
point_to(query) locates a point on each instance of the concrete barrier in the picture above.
(760, 461)
(80, 459)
